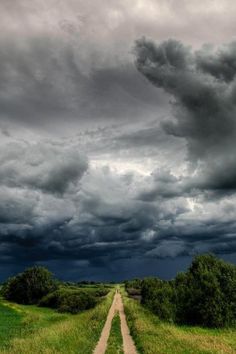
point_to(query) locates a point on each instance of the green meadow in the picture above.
(195, 313)
(33, 329)
(10, 324)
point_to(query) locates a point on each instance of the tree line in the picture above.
(204, 295)
(37, 286)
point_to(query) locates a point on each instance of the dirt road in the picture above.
(128, 344)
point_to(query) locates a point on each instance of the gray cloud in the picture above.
(72, 61)
(205, 105)
(48, 167)
(42, 82)
(104, 219)
(101, 170)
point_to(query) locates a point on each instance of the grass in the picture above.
(10, 324)
(153, 336)
(44, 331)
(115, 342)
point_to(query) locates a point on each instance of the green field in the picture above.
(152, 336)
(32, 329)
(10, 324)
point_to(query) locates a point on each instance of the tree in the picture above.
(206, 293)
(159, 296)
(30, 286)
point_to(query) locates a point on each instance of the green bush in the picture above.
(66, 300)
(101, 291)
(133, 292)
(30, 286)
(133, 284)
(159, 296)
(204, 295)
(207, 294)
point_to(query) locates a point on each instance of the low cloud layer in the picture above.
(100, 216)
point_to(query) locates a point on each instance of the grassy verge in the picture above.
(115, 342)
(152, 336)
(10, 324)
(44, 331)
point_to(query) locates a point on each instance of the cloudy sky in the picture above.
(117, 135)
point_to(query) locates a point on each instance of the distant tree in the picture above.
(30, 286)
(134, 283)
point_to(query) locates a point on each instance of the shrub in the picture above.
(133, 291)
(204, 295)
(207, 294)
(133, 284)
(66, 300)
(101, 291)
(30, 286)
(159, 296)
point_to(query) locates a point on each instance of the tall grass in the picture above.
(153, 336)
(47, 332)
(10, 325)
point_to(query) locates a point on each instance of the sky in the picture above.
(117, 136)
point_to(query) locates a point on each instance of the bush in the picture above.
(133, 284)
(159, 296)
(204, 295)
(30, 286)
(101, 291)
(66, 300)
(133, 292)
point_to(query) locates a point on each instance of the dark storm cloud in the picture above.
(220, 64)
(13, 208)
(47, 167)
(156, 185)
(98, 220)
(203, 86)
(103, 220)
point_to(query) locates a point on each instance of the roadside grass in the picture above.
(10, 324)
(153, 336)
(45, 331)
(115, 341)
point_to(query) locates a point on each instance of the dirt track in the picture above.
(128, 344)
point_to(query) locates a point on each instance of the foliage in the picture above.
(67, 300)
(133, 287)
(204, 295)
(133, 292)
(100, 291)
(133, 284)
(159, 296)
(30, 286)
(153, 336)
(45, 330)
